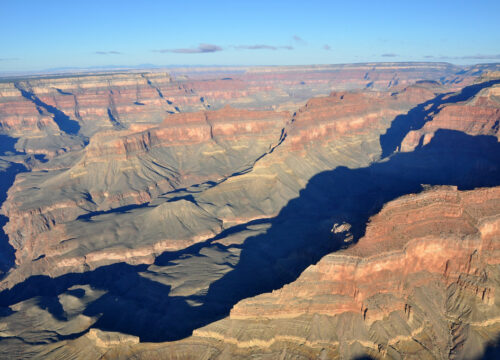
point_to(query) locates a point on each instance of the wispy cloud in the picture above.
(210, 48)
(327, 47)
(9, 59)
(389, 55)
(470, 57)
(112, 52)
(262, 47)
(200, 49)
(299, 40)
(465, 57)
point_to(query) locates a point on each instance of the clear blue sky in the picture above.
(42, 34)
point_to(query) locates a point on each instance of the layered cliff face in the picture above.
(422, 283)
(479, 115)
(204, 225)
(342, 113)
(127, 168)
(52, 115)
(198, 165)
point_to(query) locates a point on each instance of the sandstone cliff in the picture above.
(195, 206)
(421, 283)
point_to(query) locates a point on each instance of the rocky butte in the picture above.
(314, 212)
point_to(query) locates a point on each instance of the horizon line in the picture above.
(141, 67)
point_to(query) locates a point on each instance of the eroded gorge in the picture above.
(327, 212)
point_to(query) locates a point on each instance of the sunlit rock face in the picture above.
(477, 116)
(421, 282)
(127, 172)
(290, 212)
(52, 115)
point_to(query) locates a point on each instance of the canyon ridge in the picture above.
(283, 212)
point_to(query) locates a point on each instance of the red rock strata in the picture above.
(137, 165)
(441, 231)
(156, 217)
(116, 100)
(120, 168)
(187, 129)
(349, 112)
(478, 116)
(428, 263)
(422, 283)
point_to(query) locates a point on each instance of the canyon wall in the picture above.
(293, 212)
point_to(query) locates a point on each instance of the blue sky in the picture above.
(37, 35)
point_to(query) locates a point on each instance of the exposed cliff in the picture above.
(292, 234)
(421, 283)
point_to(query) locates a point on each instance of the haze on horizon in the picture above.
(42, 35)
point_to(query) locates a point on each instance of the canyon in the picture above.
(308, 212)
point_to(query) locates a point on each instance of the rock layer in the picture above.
(128, 168)
(200, 220)
(127, 175)
(477, 116)
(421, 283)
(41, 111)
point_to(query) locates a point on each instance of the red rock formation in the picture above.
(478, 116)
(427, 261)
(120, 168)
(188, 129)
(422, 283)
(116, 100)
(436, 232)
(348, 112)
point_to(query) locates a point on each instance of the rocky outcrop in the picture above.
(479, 115)
(204, 224)
(226, 124)
(344, 113)
(422, 282)
(128, 168)
(441, 231)
(38, 111)
(125, 173)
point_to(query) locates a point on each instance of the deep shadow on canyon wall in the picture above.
(298, 237)
(63, 121)
(8, 174)
(416, 118)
